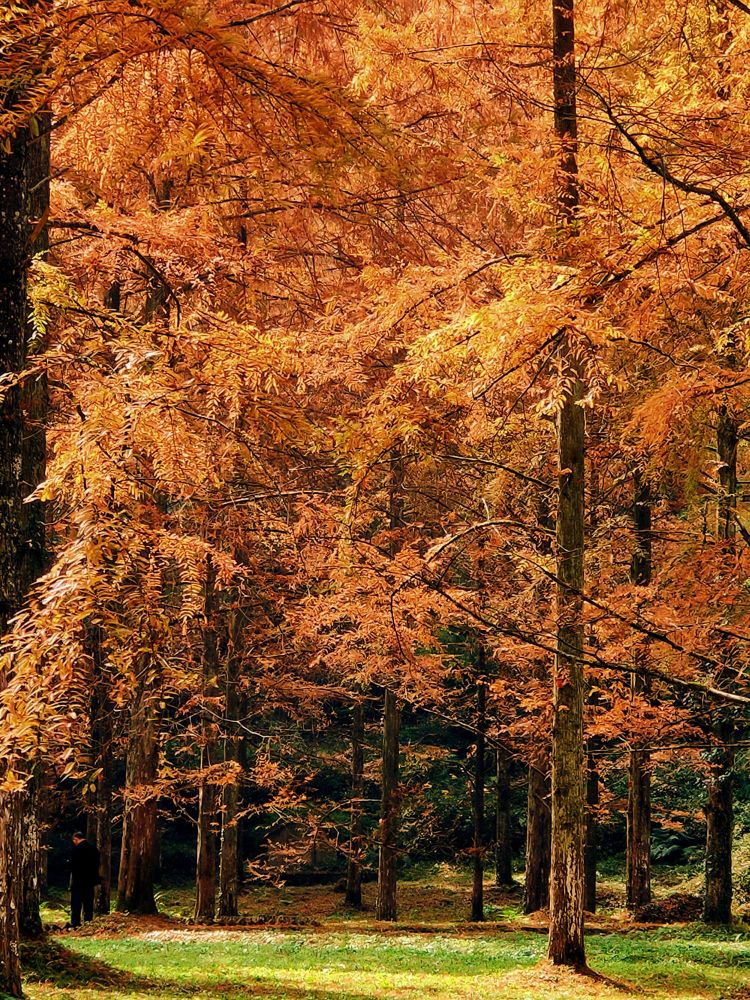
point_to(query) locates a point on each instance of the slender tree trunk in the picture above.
(720, 799)
(11, 851)
(229, 854)
(207, 854)
(138, 857)
(30, 920)
(538, 838)
(389, 807)
(246, 797)
(99, 824)
(205, 882)
(103, 835)
(33, 464)
(590, 849)
(638, 852)
(228, 901)
(719, 828)
(639, 831)
(503, 839)
(385, 907)
(566, 945)
(477, 891)
(354, 867)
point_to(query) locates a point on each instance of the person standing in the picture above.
(84, 877)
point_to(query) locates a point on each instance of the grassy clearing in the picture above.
(685, 964)
(431, 953)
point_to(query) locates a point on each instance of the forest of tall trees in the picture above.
(373, 395)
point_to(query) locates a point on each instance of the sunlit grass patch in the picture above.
(340, 965)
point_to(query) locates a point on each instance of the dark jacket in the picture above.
(84, 866)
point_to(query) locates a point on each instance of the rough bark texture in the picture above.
(10, 855)
(389, 805)
(638, 887)
(354, 867)
(139, 855)
(227, 904)
(538, 838)
(566, 946)
(14, 215)
(590, 849)
(206, 860)
(477, 889)
(29, 918)
(503, 839)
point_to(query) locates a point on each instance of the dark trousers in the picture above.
(81, 898)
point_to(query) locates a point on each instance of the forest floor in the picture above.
(302, 943)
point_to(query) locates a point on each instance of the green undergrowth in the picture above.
(682, 964)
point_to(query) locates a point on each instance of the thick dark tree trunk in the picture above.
(139, 854)
(590, 849)
(206, 862)
(566, 945)
(18, 875)
(638, 888)
(389, 806)
(719, 829)
(34, 404)
(477, 889)
(354, 866)
(538, 838)
(228, 901)
(503, 838)
(11, 852)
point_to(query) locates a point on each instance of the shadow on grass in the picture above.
(48, 961)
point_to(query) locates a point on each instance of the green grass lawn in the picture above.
(337, 954)
(684, 964)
